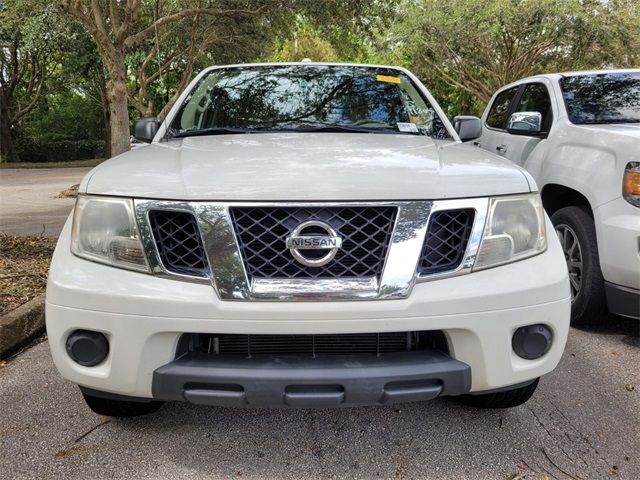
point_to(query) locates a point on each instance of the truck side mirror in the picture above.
(145, 129)
(468, 127)
(525, 123)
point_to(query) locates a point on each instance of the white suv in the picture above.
(578, 134)
(306, 235)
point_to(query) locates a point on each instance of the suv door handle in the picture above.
(476, 144)
(501, 148)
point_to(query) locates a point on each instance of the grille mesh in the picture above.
(178, 240)
(446, 241)
(262, 233)
(307, 345)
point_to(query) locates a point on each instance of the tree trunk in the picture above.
(106, 113)
(6, 140)
(118, 106)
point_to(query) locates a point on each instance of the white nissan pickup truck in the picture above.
(578, 134)
(306, 235)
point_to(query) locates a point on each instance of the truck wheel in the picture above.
(120, 408)
(503, 399)
(577, 234)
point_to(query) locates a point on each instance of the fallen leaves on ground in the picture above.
(24, 263)
(71, 192)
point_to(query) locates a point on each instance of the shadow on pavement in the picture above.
(629, 328)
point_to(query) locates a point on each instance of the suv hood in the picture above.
(305, 167)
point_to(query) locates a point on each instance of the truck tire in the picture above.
(577, 233)
(503, 399)
(120, 408)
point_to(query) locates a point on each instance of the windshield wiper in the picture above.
(328, 128)
(214, 131)
(335, 129)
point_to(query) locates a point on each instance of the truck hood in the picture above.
(305, 167)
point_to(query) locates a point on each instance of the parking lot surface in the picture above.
(27, 203)
(583, 423)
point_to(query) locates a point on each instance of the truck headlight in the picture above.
(514, 230)
(631, 183)
(105, 230)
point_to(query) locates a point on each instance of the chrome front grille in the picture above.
(262, 231)
(240, 248)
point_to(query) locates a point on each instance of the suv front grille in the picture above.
(311, 345)
(262, 232)
(446, 241)
(177, 238)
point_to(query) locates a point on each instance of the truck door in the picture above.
(494, 122)
(533, 97)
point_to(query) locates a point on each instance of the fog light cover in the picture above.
(87, 348)
(532, 341)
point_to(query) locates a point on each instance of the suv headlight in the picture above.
(105, 230)
(514, 230)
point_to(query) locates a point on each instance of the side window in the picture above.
(497, 117)
(535, 98)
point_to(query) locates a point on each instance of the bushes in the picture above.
(45, 150)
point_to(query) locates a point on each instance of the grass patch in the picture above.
(74, 163)
(24, 264)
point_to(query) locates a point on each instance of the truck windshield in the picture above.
(602, 98)
(306, 98)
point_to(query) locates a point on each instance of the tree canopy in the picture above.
(82, 70)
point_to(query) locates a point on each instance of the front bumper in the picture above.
(334, 381)
(144, 316)
(618, 230)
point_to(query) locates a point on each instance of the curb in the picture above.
(21, 325)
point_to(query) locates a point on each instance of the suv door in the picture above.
(530, 97)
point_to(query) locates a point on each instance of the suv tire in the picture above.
(120, 408)
(503, 399)
(575, 227)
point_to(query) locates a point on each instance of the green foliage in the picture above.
(307, 42)
(463, 50)
(68, 115)
(29, 149)
(466, 49)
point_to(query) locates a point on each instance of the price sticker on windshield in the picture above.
(387, 79)
(407, 127)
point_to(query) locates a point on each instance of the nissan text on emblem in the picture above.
(307, 236)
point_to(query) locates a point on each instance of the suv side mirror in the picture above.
(145, 129)
(468, 127)
(525, 123)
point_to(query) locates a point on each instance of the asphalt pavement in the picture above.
(27, 203)
(582, 423)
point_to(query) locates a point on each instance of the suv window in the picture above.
(535, 98)
(497, 117)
